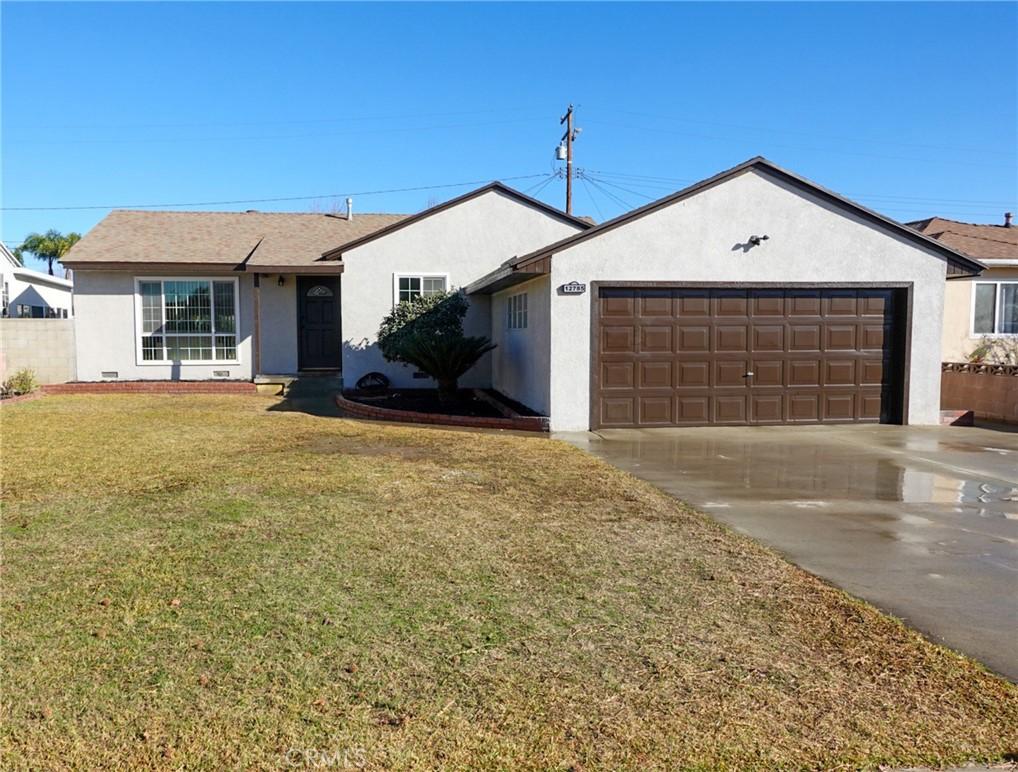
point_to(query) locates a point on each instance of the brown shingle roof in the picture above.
(983, 242)
(220, 238)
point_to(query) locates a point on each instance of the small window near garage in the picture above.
(995, 308)
(409, 287)
(516, 311)
(6, 300)
(24, 312)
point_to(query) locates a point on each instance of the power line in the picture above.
(264, 200)
(590, 195)
(617, 199)
(625, 190)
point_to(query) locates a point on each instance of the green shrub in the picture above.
(22, 382)
(427, 332)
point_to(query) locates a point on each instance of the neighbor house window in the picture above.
(409, 287)
(516, 311)
(24, 311)
(6, 299)
(187, 320)
(995, 308)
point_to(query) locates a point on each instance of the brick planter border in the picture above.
(519, 423)
(23, 397)
(152, 387)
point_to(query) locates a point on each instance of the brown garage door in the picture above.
(690, 356)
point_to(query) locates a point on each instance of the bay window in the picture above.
(995, 308)
(187, 320)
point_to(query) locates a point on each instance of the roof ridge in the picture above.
(334, 215)
(961, 222)
(979, 236)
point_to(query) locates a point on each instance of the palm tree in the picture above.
(48, 246)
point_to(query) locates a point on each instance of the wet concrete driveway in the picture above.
(920, 521)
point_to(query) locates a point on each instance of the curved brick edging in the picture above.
(520, 423)
(37, 394)
(152, 387)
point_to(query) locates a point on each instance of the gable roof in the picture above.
(539, 261)
(337, 251)
(238, 240)
(8, 256)
(977, 240)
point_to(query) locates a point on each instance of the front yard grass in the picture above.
(205, 582)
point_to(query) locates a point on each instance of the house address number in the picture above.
(573, 288)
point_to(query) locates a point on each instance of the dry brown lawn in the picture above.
(204, 582)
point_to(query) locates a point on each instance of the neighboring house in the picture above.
(983, 306)
(31, 294)
(752, 297)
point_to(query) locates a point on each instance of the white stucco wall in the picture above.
(279, 325)
(520, 366)
(465, 241)
(105, 330)
(959, 340)
(694, 240)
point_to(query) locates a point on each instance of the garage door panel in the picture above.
(693, 356)
(731, 303)
(767, 408)
(767, 303)
(692, 340)
(840, 303)
(803, 372)
(617, 339)
(804, 337)
(656, 411)
(769, 372)
(617, 303)
(692, 410)
(656, 303)
(731, 373)
(694, 303)
(840, 337)
(803, 408)
(617, 375)
(655, 339)
(839, 372)
(731, 337)
(768, 337)
(618, 411)
(692, 375)
(731, 409)
(655, 375)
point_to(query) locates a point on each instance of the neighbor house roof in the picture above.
(991, 244)
(240, 240)
(524, 267)
(336, 252)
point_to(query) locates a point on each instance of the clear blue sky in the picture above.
(909, 108)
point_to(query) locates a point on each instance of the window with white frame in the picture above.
(995, 308)
(411, 286)
(516, 311)
(6, 299)
(187, 320)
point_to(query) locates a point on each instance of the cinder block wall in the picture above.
(45, 345)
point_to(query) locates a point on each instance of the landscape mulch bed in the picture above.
(466, 402)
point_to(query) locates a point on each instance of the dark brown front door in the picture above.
(676, 356)
(318, 323)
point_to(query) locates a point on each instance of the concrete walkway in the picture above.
(920, 521)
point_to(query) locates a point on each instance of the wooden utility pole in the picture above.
(567, 119)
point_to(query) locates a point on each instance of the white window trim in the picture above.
(138, 323)
(997, 300)
(422, 275)
(515, 315)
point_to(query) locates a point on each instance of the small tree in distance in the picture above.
(48, 246)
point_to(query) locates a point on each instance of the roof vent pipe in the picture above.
(349, 209)
(1007, 219)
